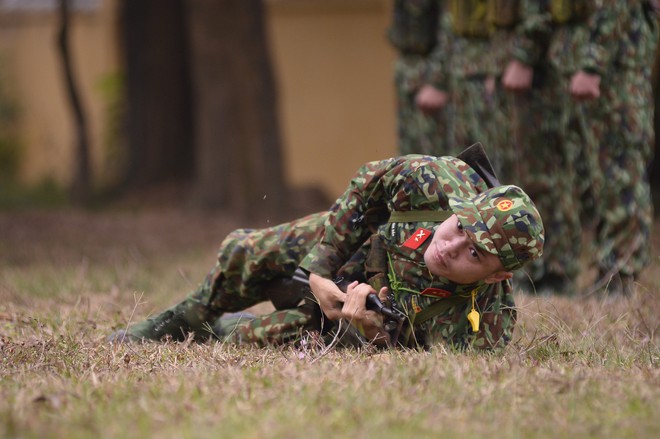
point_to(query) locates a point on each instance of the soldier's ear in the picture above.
(498, 276)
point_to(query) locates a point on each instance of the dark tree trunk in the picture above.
(654, 171)
(239, 158)
(159, 118)
(81, 185)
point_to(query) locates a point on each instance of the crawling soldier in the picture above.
(435, 238)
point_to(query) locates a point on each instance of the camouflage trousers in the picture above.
(584, 131)
(625, 210)
(479, 114)
(418, 132)
(546, 170)
(253, 266)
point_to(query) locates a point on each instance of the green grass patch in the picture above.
(45, 194)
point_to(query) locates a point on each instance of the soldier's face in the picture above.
(454, 256)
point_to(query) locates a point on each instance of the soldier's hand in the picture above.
(655, 5)
(429, 99)
(517, 76)
(585, 86)
(369, 323)
(328, 294)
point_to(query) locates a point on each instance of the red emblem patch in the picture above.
(417, 238)
(436, 292)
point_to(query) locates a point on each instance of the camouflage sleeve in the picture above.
(604, 37)
(354, 268)
(498, 317)
(533, 34)
(376, 184)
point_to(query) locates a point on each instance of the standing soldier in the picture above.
(477, 34)
(615, 75)
(547, 128)
(420, 112)
(503, 17)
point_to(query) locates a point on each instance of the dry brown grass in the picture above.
(579, 367)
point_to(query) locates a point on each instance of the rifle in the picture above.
(394, 318)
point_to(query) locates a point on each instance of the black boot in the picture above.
(194, 315)
(555, 284)
(617, 284)
(175, 323)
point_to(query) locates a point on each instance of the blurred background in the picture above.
(245, 105)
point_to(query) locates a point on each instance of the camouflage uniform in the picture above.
(413, 34)
(621, 48)
(472, 49)
(503, 22)
(547, 126)
(252, 264)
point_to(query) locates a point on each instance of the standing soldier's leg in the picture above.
(501, 135)
(626, 221)
(625, 228)
(418, 133)
(585, 130)
(476, 111)
(547, 174)
(249, 263)
(625, 231)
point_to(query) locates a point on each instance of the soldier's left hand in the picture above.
(585, 86)
(355, 301)
(430, 99)
(517, 76)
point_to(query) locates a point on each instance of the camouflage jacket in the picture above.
(543, 37)
(414, 26)
(622, 36)
(469, 42)
(418, 183)
(416, 33)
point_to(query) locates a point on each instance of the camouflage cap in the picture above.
(503, 221)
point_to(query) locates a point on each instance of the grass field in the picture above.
(579, 367)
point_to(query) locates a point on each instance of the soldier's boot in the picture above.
(618, 284)
(555, 284)
(194, 315)
(176, 323)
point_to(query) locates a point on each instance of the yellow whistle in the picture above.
(473, 318)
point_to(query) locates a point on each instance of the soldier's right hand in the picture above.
(517, 76)
(368, 323)
(330, 298)
(429, 99)
(585, 86)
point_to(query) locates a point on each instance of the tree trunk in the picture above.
(81, 186)
(654, 167)
(159, 121)
(239, 158)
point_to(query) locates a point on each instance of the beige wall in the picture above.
(337, 99)
(332, 63)
(27, 44)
